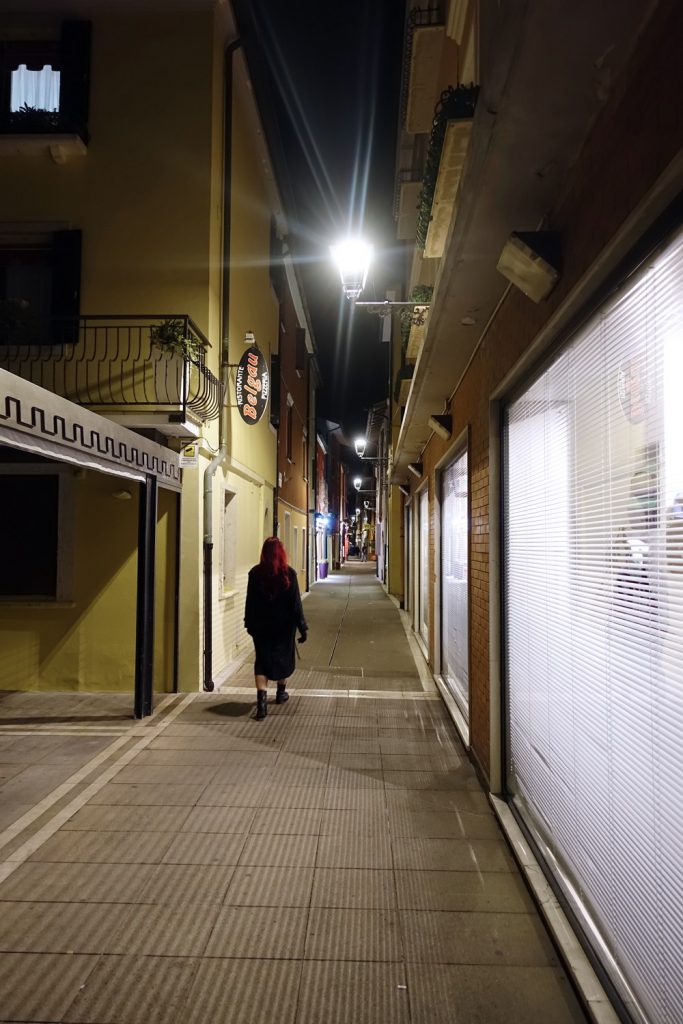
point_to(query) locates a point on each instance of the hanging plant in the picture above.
(173, 338)
(420, 295)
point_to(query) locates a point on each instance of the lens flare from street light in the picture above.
(359, 445)
(352, 257)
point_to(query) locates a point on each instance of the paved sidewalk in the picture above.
(337, 863)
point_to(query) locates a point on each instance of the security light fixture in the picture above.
(360, 445)
(357, 482)
(530, 260)
(441, 425)
(415, 468)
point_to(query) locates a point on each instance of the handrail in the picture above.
(109, 361)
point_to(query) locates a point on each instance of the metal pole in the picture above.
(144, 629)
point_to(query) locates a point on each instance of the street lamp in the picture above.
(360, 444)
(352, 257)
(357, 482)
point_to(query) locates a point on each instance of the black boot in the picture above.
(281, 695)
(261, 704)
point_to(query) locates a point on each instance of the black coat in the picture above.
(272, 620)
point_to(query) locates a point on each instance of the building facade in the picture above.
(140, 219)
(536, 453)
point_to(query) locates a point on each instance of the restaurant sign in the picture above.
(252, 385)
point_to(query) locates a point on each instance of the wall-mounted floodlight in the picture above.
(441, 425)
(530, 260)
(360, 445)
(357, 482)
(352, 257)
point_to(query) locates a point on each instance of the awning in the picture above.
(36, 420)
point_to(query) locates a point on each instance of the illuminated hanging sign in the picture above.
(252, 385)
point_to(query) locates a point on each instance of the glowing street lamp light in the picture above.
(357, 482)
(352, 257)
(359, 445)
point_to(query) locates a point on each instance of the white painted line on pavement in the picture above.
(23, 852)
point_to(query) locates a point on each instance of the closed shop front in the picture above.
(593, 598)
(422, 575)
(454, 581)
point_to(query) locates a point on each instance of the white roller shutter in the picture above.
(594, 628)
(454, 581)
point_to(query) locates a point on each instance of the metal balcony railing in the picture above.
(116, 362)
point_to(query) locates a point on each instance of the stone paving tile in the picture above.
(156, 756)
(243, 795)
(172, 884)
(360, 778)
(500, 891)
(444, 824)
(168, 775)
(462, 778)
(287, 821)
(104, 847)
(491, 995)
(354, 822)
(354, 852)
(248, 991)
(360, 888)
(219, 819)
(459, 800)
(353, 993)
(205, 848)
(40, 987)
(353, 934)
(355, 799)
(293, 796)
(476, 938)
(168, 795)
(30, 927)
(452, 854)
(134, 990)
(279, 851)
(165, 930)
(127, 817)
(80, 883)
(259, 931)
(270, 887)
(340, 759)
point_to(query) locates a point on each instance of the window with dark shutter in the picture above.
(300, 352)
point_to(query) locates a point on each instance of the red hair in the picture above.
(274, 564)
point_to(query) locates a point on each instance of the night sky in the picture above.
(331, 79)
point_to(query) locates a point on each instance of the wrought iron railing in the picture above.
(153, 362)
(455, 103)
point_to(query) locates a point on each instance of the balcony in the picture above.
(135, 370)
(451, 130)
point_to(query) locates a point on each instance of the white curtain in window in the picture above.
(454, 580)
(594, 629)
(38, 89)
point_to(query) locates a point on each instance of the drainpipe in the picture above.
(223, 422)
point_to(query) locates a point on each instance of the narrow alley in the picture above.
(338, 862)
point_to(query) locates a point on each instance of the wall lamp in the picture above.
(530, 260)
(352, 257)
(441, 425)
(415, 468)
(360, 445)
(357, 482)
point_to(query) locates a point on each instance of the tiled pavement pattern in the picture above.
(337, 863)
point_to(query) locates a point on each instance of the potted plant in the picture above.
(34, 120)
(173, 338)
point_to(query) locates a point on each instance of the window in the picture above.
(229, 540)
(289, 428)
(454, 580)
(36, 88)
(594, 628)
(40, 278)
(300, 355)
(36, 514)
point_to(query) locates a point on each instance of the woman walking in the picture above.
(272, 615)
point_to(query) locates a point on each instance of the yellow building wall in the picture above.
(88, 642)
